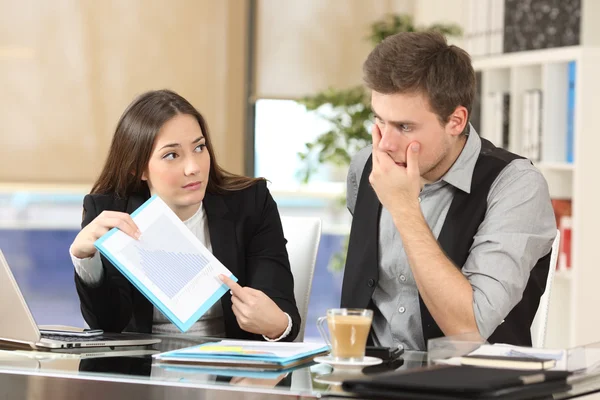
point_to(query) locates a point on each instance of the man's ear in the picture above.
(458, 120)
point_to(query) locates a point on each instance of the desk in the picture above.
(130, 374)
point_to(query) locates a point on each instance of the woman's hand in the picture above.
(83, 245)
(255, 311)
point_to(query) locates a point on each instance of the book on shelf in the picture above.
(562, 207)
(564, 253)
(528, 24)
(500, 127)
(476, 42)
(563, 214)
(505, 125)
(485, 28)
(475, 118)
(531, 132)
(572, 67)
(497, 27)
(167, 264)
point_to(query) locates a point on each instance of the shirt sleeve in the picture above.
(518, 230)
(89, 269)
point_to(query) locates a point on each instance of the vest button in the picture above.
(371, 282)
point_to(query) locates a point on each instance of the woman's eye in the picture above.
(169, 156)
(199, 148)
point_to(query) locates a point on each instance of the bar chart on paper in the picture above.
(155, 264)
(169, 263)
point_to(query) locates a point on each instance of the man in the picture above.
(450, 235)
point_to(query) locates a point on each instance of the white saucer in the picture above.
(366, 362)
(338, 377)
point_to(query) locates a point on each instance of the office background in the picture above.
(69, 68)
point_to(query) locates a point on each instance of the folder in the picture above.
(449, 382)
(246, 354)
(168, 264)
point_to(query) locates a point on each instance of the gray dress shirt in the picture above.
(518, 229)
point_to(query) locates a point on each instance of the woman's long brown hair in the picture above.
(133, 140)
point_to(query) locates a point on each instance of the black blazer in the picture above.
(246, 236)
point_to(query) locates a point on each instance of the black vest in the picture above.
(466, 213)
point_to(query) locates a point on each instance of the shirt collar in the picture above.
(196, 218)
(461, 172)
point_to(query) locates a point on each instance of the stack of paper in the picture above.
(246, 354)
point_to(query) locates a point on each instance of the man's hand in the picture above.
(255, 311)
(396, 186)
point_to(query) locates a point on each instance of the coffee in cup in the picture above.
(349, 329)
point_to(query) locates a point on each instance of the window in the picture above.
(281, 131)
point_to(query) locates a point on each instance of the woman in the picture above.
(162, 146)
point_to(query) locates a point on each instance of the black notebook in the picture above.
(443, 382)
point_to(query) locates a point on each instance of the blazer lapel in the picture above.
(136, 200)
(221, 228)
(223, 240)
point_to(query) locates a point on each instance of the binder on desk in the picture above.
(168, 264)
(245, 354)
(448, 382)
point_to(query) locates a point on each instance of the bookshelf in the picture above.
(575, 297)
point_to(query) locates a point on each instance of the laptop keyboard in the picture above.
(64, 338)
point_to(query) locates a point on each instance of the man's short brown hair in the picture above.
(423, 62)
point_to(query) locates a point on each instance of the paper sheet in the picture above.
(168, 264)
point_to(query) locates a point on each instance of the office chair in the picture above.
(540, 321)
(303, 235)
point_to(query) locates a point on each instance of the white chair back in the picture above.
(303, 235)
(540, 321)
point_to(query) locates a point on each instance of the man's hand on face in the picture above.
(396, 186)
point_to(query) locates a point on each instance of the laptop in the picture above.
(19, 329)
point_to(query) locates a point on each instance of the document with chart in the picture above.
(168, 264)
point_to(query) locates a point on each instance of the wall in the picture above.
(428, 12)
(69, 68)
(303, 47)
